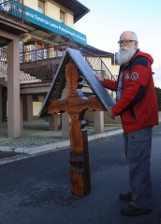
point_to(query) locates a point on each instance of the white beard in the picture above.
(125, 54)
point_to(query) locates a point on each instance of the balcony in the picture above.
(12, 19)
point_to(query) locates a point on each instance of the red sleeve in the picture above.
(139, 76)
(110, 84)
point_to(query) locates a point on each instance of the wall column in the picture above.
(14, 120)
(0, 103)
(29, 108)
(65, 126)
(21, 114)
(54, 122)
(65, 119)
(99, 121)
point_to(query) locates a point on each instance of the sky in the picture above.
(106, 20)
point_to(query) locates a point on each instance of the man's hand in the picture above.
(99, 77)
(109, 112)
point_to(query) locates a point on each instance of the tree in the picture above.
(158, 93)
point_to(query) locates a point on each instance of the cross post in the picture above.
(76, 104)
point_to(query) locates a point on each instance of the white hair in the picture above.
(134, 36)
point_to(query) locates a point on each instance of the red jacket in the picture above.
(137, 105)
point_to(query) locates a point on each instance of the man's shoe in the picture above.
(133, 211)
(125, 197)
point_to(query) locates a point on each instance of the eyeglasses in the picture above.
(125, 42)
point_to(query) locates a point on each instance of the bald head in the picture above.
(128, 35)
(128, 38)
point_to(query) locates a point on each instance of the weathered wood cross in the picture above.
(72, 70)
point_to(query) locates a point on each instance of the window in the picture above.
(5, 4)
(62, 17)
(41, 6)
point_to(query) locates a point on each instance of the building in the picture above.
(33, 38)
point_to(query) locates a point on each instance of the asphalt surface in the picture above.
(36, 189)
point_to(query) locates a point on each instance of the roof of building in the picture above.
(76, 7)
(95, 51)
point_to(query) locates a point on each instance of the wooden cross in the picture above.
(76, 104)
(70, 72)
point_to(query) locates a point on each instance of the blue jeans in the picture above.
(138, 154)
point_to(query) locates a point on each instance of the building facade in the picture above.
(33, 38)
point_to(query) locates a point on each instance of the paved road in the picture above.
(36, 190)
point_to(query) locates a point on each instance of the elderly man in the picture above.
(136, 103)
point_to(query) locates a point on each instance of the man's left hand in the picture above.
(110, 113)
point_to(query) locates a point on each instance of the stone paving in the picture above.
(27, 141)
(36, 137)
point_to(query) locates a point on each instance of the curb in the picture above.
(58, 145)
